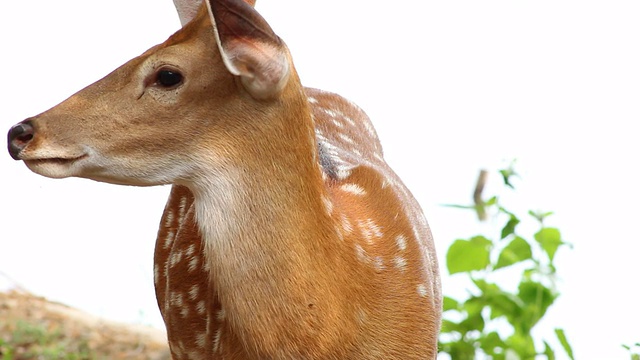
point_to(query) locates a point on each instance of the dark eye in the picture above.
(168, 78)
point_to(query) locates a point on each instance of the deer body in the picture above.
(286, 235)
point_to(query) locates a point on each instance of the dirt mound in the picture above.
(31, 327)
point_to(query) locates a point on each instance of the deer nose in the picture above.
(19, 137)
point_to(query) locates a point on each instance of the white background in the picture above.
(451, 86)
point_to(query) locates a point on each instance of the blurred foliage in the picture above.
(493, 321)
(634, 351)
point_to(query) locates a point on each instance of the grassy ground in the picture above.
(33, 328)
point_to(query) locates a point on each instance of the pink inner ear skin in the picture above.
(237, 19)
(249, 48)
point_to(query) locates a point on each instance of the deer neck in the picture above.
(265, 241)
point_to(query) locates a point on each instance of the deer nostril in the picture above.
(19, 137)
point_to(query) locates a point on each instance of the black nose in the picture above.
(19, 137)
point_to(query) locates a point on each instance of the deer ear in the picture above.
(187, 9)
(249, 47)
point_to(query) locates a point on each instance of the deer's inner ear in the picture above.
(250, 49)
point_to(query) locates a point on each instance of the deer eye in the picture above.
(168, 78)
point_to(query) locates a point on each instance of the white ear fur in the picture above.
(262, 66)
(187, 9)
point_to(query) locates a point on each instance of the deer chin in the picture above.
(55, 167)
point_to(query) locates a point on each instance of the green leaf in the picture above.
(449, 326)
(518, 250)
(473, 323)
(539, 215)
(468, 255)
(485, 286)
(459, 350)
(510, 227)
(499, 302)
(548, 351)
(507, 305)
(537, 299)
(449, 303)
(473, 306)
(507, 174)
(491, 342)
(550, 240)
(492, 201)
(522, 345)
(564, 342)
(455, 206)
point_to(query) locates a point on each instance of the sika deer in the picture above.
(286, 235)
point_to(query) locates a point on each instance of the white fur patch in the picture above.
(354, 189)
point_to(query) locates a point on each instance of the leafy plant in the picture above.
(634, 350)
(494, 320)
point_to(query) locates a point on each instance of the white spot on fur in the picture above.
(343, 173)
(346, 224)
(312, 100)
(367, 125)
(330, 112)
(193, 292)
(370, 230)
(320, 136)
(378, 264)
(184, 311)
(349, 120)
(361, 254)
(156, 273)
(325, 177)
(347, 139)
(422, 290)
(193, 263)
(201, 339)
(190, 250)
(400, 263)
(205, 265)
(216, 340)
(177, 299)
(194, 355)
(201, 308)
(176, 257)
(171, 234)
(328, 204)
(401, 241)
(339, 233)
(221, 315)
(169, 218)
(175, 348)
(182, 209)
(354, 189)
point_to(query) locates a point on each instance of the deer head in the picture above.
(158, 118)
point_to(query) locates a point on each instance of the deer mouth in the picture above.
(55, 167)
(54, 161)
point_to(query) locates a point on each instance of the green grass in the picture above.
(36, 341)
